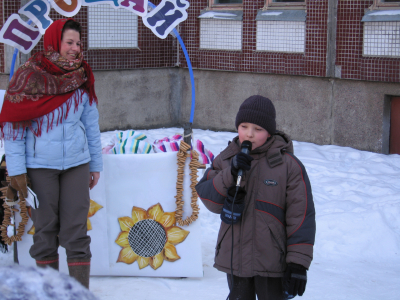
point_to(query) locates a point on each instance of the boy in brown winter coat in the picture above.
(273, 220)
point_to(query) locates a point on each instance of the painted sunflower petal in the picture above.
(126, 255)
(157, 260)
(94, 207)
(138, 214)
(122, 239)
(176, 235)
(125, 223)
(143, 261)
(156, 212)
(168, 219)
(89, 225)
(170, 253)
(32, 230)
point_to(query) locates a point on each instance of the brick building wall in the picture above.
(350, 44)
(311, 63)
(153, 52)
(333, 91)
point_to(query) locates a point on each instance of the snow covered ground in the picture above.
(357, 248)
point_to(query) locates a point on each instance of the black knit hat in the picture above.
(257, 110)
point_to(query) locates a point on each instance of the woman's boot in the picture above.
(51, 262)
(80, 270)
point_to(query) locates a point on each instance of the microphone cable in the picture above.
(245, 148)
(232, 280)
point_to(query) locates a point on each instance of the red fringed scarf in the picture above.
(44, 83)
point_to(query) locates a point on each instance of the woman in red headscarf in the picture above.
(49, 122)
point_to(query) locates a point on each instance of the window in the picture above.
(227, 1)
(220, 34)
(226, 4)
(381, 39)
(386, 4)
(221, 25)
(285, 4)
(105, 25)
(281, 31)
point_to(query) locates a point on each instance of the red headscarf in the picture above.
(45, 82)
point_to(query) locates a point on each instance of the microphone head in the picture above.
(247, 145)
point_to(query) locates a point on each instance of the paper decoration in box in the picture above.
(128, 142)
(171, 144)
(133, 232)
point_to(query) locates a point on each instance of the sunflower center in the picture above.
(147, 238)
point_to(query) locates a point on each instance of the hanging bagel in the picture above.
(194, 164)
(10, 210)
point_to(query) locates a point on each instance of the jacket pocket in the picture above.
(270, 248)
(85, 138)
(280, 244)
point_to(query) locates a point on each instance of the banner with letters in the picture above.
(17, 33)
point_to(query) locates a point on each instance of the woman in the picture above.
(50, 125)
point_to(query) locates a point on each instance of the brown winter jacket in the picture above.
(278, 222)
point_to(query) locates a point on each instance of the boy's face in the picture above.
(253, 133)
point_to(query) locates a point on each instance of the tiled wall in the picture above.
(311, 62)
(1, 44)
(255, 54)
(349, 47)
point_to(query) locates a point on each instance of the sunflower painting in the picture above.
(149, 237)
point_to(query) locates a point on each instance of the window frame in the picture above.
(232, 6)
(270, 4)
(379, 4)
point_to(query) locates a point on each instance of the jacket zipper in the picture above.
(34, 146)
(63, 145)
(242, 225)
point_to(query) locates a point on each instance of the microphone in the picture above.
(246, 148)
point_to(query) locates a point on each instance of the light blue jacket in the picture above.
(74, 142)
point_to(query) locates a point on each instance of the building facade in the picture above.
(331, 67)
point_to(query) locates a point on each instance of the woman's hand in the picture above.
(93, 179)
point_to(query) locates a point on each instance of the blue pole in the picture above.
(15, 58)
(13, 63)
(189, 67)
(190, 72)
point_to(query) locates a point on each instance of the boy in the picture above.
(274, 217)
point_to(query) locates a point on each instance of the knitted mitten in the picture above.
(19, 183)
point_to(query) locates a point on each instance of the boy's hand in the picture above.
(240, 161)
(295, 280)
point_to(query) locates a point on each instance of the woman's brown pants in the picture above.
(61, 218)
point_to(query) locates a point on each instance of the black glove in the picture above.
(295, 280)
(238, 206)
(240, 161)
